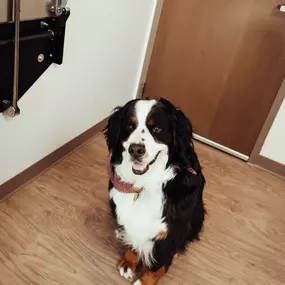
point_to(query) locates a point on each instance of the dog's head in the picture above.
(146, 132)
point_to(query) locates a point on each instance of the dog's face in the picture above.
(148, 135)
(144, 132)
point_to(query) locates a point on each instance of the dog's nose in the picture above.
(137, 150)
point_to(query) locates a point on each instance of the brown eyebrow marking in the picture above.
(151, 123)
(134, 120)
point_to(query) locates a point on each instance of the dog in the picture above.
(156, 185)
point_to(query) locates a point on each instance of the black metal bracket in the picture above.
(41, 44)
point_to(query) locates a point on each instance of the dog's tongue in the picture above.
(140, 169)
(139, 166)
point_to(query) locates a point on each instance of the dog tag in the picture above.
(136, 196)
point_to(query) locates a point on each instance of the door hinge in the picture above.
(142, 90)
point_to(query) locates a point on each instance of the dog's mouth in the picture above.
(139, 169)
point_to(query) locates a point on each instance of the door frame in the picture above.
(255, 157)
(150, 46)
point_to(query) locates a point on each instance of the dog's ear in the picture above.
(182, 135)
(182, 127)
(113, 129)
(184, 141)
(184, 130)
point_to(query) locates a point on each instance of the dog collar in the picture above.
(122, 186)
(129, 188)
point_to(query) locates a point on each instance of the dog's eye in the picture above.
(156, 130)
(131, 127)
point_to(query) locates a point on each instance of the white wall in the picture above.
(105, 46)
(274, 145)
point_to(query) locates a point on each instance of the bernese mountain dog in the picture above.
(156, 186)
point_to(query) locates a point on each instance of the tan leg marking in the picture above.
(162, 235)
(127, 266)
(151, 278)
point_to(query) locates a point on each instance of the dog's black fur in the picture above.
(183, 209)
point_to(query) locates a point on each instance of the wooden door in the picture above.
(222, 62)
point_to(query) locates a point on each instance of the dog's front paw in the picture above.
(150, 277)
(127, 270)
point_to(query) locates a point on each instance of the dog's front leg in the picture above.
(151, 277)
(163, 256)
(127, 266)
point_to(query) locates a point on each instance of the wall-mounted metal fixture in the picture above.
(27, 49)
(58, 6)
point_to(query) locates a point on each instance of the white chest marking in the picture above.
(142, 219)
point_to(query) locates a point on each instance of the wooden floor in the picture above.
(58, 230)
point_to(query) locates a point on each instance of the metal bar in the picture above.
(17, 12)
(47, 35)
